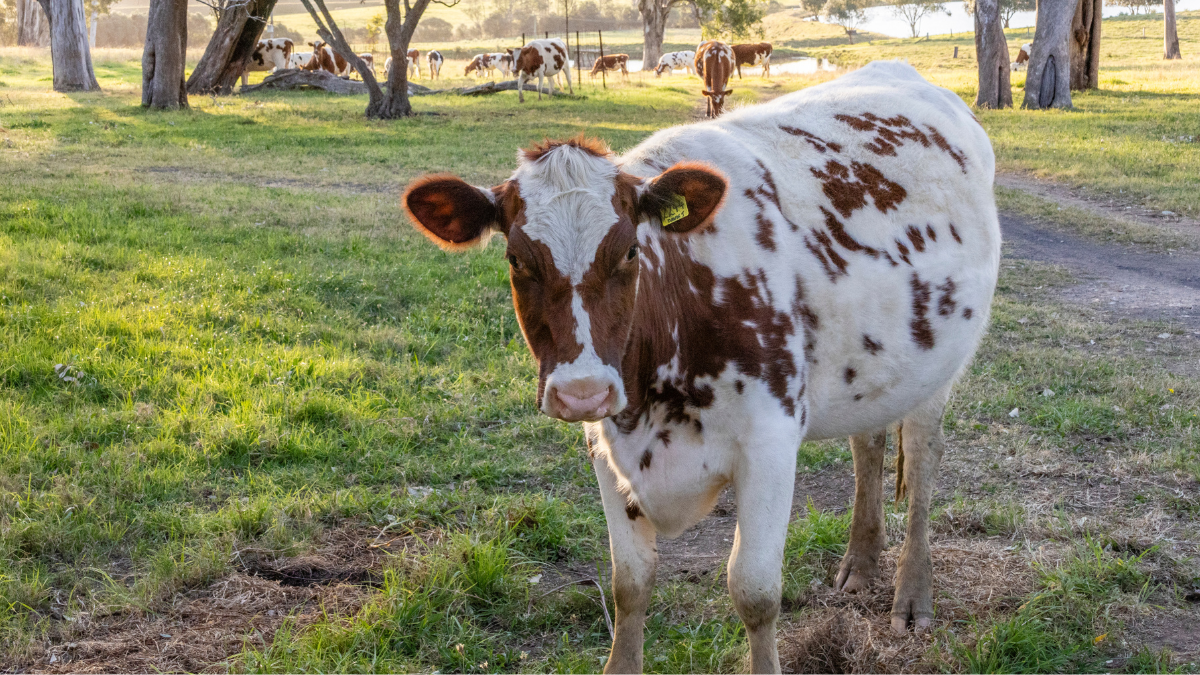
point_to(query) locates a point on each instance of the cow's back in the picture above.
(865, 206)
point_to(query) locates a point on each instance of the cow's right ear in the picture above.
(450, 212)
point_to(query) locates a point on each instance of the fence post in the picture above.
(578, 73)
(547, 35)
(522, 39)
(956, 52)
(603, 70)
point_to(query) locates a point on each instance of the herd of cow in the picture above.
(713, 61)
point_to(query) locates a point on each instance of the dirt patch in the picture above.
(1176, 630)
(974, 579)
(199, 630)
(1116, 206)
(1122, 280)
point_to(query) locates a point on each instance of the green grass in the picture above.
(217, 333)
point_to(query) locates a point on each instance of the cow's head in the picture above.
(573, 222)
(716, 100)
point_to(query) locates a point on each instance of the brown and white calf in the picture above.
(542, 59)
(673, 61)
(368, 59)
(329, 60)
(303, 61)
(611, 62)
(434, 57)
(714, 63)
(753, 54)
(1022, 60)
(819, 266)
(273, 54)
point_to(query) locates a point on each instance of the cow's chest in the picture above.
(674, 472)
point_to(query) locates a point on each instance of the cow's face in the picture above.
(716, 101)
(573, 222)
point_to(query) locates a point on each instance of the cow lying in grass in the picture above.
(819, 266)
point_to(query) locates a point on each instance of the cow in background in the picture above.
(542, 59)
(273, 54)
(675, 61)
(414, 63)
(1022, 60)
(434, 57)
(753, 54)
(302, 61)
(368, 59)
(329, 60)
(714, 62)
(611, 62)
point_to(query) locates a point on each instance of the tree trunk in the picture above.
(1047, 84)
(164, 55)
(991, 47)
(68, 46)
(92, 30)
(237, 34)
(1085, 45)
(1171, 36)
(33, 30)
(654, 25)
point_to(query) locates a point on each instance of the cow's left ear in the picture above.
(684, 197)
(452, 213)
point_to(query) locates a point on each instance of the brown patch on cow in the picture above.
(821, 246)
(922, 331)
(914, 235)
(739, 386)
(764, 235)
(954, 233)
(871, 346)
(858, 397)
(903, 250)
(592, 146)
(929, 232)
(644, 462)
(608, 289)
(838, 231)
(849, 375)
(664, 437)
(809, 319)
(529, 60)
(819, 144)
(765, 193)
(967, 313)
(946, 304)
(892, 132)
(847, 187)
(944, 145)
(633, 510)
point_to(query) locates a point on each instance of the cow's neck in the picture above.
(673, 317)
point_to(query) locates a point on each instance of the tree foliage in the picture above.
(1009, 8)
(849, 14)
(912, 11)
(732, 19)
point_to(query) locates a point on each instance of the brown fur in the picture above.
(611, 62)
(747, 54)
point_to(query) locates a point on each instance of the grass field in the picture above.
(250, 421)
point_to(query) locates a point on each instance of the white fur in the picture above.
(673, 61)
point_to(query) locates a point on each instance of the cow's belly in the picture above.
(874, 360)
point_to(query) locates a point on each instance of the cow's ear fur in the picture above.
(699, 184)
(450, 212)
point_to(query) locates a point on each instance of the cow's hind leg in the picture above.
(634, 556)
(860, 565)
(764, 480)
(921, 446)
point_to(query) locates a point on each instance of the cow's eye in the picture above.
(631, 253)
(516, 264)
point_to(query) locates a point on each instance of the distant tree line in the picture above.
(508, 18)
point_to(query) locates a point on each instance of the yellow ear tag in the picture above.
(675, 210)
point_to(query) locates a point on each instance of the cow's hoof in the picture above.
(856, 574)
(913, 603)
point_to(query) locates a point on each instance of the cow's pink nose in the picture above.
(585, 399)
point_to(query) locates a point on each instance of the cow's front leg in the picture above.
(868, 537)
(634, 557)
(764, 480)
(921, 445)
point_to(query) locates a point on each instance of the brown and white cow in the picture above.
(328, 60)
(673, 61)
(714, 63)
(368, 59)
(414, 63)
(819, 266)
(542, 59)
(611, 62)
(303, 61)
(1022, 60)
(434, 57)
(273, 54)
(753, 54)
